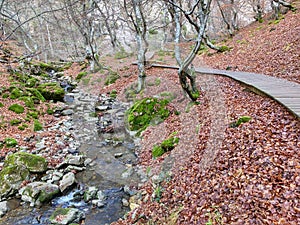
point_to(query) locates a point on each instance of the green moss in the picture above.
(16, 108)
(145, 112)
(33, 114)
(49, 111)
(1, 104)
(28, 101)
(224, 48)
(165, 146)
(51, 91)
(37, 94)
(113, 94)
(10, 142)
(5, 95)
(16, 93)
(37, 126)
(23, 126)
(33, 163)
(242, 119)
(47, 196)
(59, 212)
(14, 122)
(111, 78)
(31, 82)
(81, 75)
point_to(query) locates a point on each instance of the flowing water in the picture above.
(103, 138)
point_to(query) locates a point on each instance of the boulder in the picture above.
(67, 181)
(33, 163)
(38, 192)
(11, 178)
(66, 216)
(3, 208)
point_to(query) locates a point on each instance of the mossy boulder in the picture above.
(32, 163)
(38, 192)
(66, 216)
(11, 177)
(145, 112)
(16, 108)
(52, 91)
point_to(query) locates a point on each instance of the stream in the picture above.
(97, 124)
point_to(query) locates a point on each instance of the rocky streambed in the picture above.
(95, 179)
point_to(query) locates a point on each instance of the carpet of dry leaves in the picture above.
(271, 48)
(255, 177)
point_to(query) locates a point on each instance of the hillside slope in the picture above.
(271, 48)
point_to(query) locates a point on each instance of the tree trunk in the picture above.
(142, 45)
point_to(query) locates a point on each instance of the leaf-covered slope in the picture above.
(271, 48)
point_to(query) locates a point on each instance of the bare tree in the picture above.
(276, 6)
(197, 16)
(136, 16)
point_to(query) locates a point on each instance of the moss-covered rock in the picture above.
(145, 112)
(1, 104)
(39, 192)
(52, 91)
(31, 82)
(16, 108)
(66, 216)
(33, 163)
(11, 177)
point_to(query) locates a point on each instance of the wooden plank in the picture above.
(285, 92)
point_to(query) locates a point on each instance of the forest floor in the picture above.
(217, 174)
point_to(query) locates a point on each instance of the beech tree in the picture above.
(197, 16)
(134, 11)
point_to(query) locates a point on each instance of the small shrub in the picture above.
(10, 142)
(16, 108)
(37, 126)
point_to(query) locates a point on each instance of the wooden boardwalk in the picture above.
(285, 92)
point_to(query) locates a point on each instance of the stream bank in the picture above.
(93, 126)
